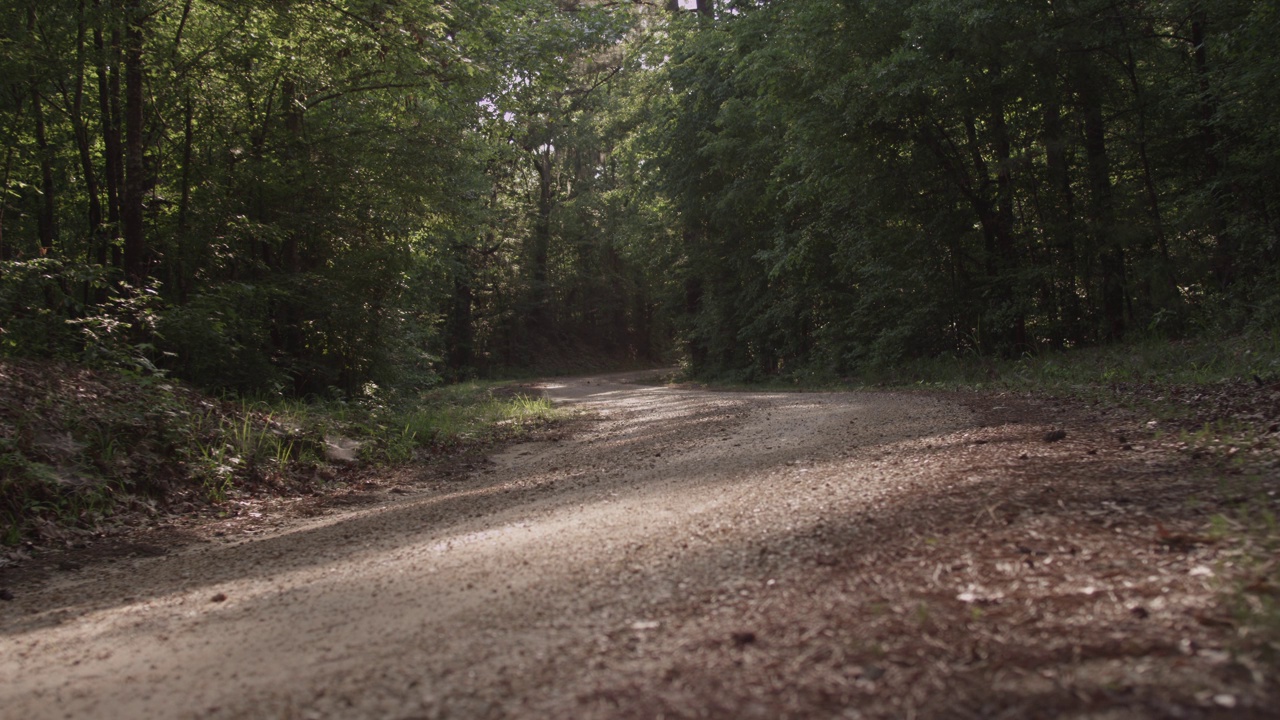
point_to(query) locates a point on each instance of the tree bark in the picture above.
(460, 347)
(188, 135)
(5, 252)
(972, 177)
(47, 215)
(135, 179)
(539, 256)
(1111, 254)
(697, 346)
(1006, 247)
(1223, 263)
(188, 143)
(109, 113)
(1063, 226)
(83, 141)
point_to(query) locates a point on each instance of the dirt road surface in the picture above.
(686, 553)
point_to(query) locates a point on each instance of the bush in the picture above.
(45, 312)
(221, 339)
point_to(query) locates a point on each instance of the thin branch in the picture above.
(359, 89)
(583, 94)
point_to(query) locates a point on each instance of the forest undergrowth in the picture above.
(90, 453)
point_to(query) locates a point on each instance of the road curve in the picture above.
(521, 590)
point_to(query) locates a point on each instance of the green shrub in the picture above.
(221, 339)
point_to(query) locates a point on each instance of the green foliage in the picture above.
(864, 183)
(247, 444)
(222, 338)
(452, 417)
(77, 444)
(67, 453)
(332, 195)
(558, 265)
(31, 297)
(44, 314)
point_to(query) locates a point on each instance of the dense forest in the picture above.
(276, 196)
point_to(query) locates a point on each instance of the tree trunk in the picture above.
(1064, 228)
(47, 216)
(179, 280)
(1007, 261)
(539, 256)
(1111, 254)
(188, 134)
(83, 141)
(188, 143)
(1223, 264)
(113, 158)
(460, 344)
(135, 179)
(5, 252)
(1148, 176)
(697, 346)
(291, 254)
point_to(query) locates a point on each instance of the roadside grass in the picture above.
(1084, 371)
(450, 418)
(1154, 361)
(1213, 394)
(81, 450)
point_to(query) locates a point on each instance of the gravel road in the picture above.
(642, 566)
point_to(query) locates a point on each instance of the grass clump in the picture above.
(452, 418)
(79, 447)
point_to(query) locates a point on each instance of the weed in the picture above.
(284, 452)
(217, 484)
(452, 416)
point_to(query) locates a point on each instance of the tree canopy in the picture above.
(305, 197)
(862, 182)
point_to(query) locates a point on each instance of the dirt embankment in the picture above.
(689, 553)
